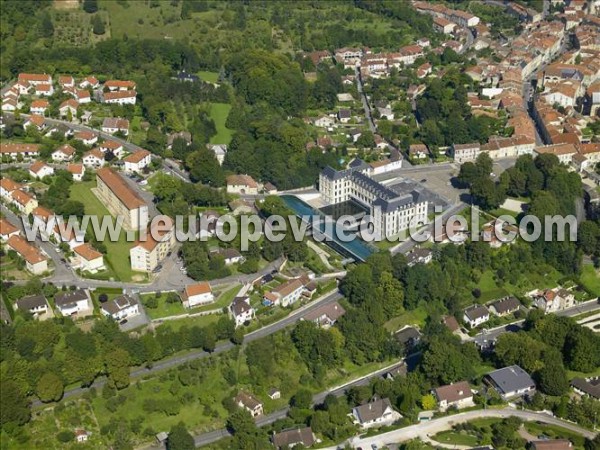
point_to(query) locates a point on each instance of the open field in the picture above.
(219, 113)
(117, 257)
(590, 278)
(211, 77)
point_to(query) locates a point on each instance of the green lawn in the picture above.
(137, 135)
(219, 113)
(590, 279)
(415, 317)
(164, 308)
(456, 438)
(554, 432)
(117, 258)
(211, 77)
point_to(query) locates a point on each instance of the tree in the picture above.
(46, 26)
(117, 365)
(90, 6)
(205, 168)
(179, 438)
(50, 388)
(553, 376)
(302, 399)
(428, 402)
(98, 27)
(15, 405)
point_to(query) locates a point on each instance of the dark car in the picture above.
(123, 322)
(424, 180)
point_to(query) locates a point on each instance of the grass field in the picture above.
(554, 432)
(117, 257)
(211, 77)
(164, 308)
(219, 113)
(415, 317)
(590, 278)
(456, 438)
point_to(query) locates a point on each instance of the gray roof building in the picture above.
(590, 387)
(70, 298)
(372, 411)
(505, 305)
(510, 381)
(290, 438)
(32, 302)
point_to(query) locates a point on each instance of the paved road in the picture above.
(489, 336)
(292, 318)
(425, 429)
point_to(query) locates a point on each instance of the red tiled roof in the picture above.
(197, 289)
(87, 252)
(7, 228)
(136, 157)
(30, 253)
(120, 188)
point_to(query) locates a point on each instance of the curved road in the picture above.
(425, 429)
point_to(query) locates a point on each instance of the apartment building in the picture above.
(147, 254)
(120, 199)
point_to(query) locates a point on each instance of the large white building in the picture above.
(391, 211)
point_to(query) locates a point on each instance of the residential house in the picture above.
(40, 169)
(410, 53)
(419, 256)
(241, 311)
(324, 122)
(249, 403)
(120, 97)
(476, 315)
(418, 151)
(44, 219)
(327, 315)
(88, 259)
(456, 395)
(197, 295)
(229, 255)
(376, 413)
(121, 307)
(23, 201)
(10, 104)
(35, 121)
(35, 261)
(241, 184)
(45, 90)
(77, 170)
(116, 148)
(146, 254)
(344, 115)
(87, 137)
(354, 135)
(121, 199)
(552, 300)
(34, 79)
(587, 386)
(465, 152)
(39, 107)
(64, 234)
(12, 150)
(61, 130)
(7, 230)
(73, 302)
(442, 25)
(510, 381)
(137, 161)
(408, 337)
(63, 153)
(220, 150)
(185, 135)
(112, 125)
(505, 306)
(552, 444)
(33, 304)
(82, 96)
(94, 158)
(119, 85)
(274, 393)
(89, 82)
(304, 437)
(81, 435)
(286, 293)
(66, 81)
(564, 152)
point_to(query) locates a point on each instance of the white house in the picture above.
(286, 293)
(88, 259)
(68, 106)
(39, 107)
(33, 304)
(89, 82)
(35, 261)
(87, 137)
(77, 170)
(220, 150)
(40, 169)
(476, 315)
(456, 395)
(241, 311)
(510, 381)
(241, 184)
(375, 414)
(249, 403)
(116, 148)
(112, 125)
(45, 90)
(197, 294)
(35, 121)
(121, 307)
(7, 230)
(324, 122)
(94, 158)
(120, 97)
(63, 153)
(73, 302)
(137, 161)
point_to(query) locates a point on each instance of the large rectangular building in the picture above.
(121, 200)
(392, 211)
